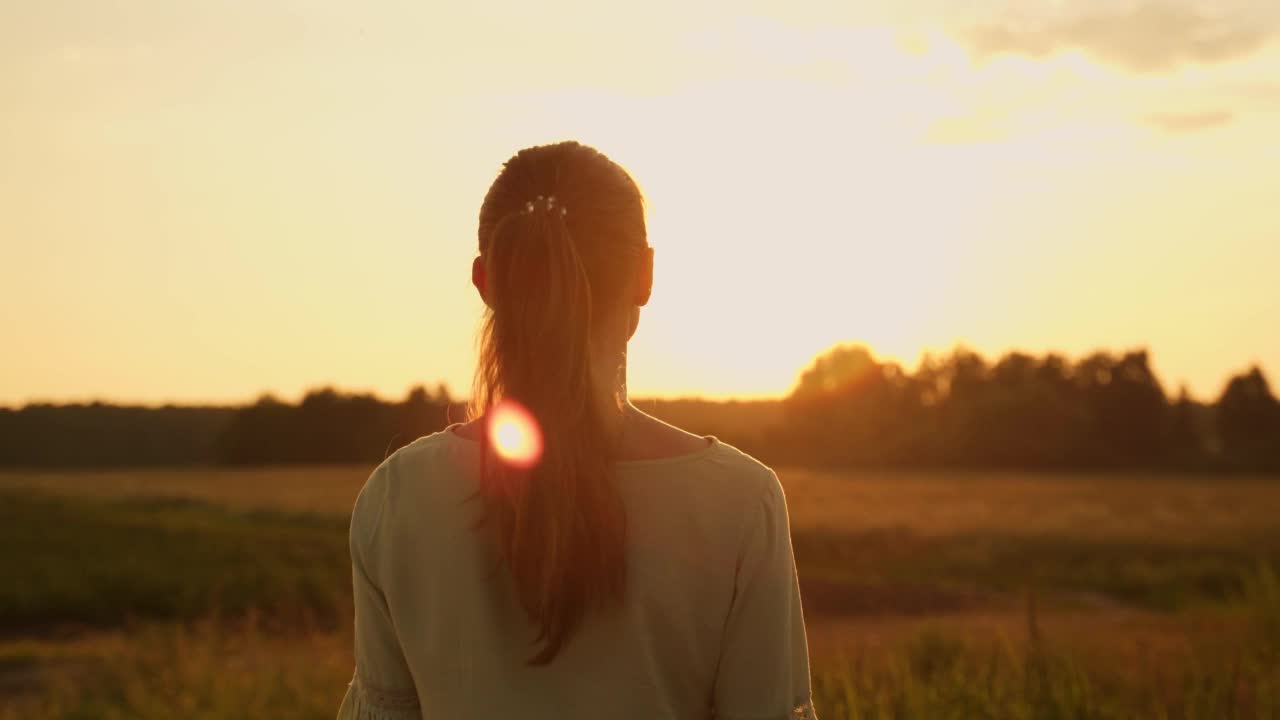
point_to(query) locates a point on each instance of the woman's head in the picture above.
(573, 192)
(564, 267)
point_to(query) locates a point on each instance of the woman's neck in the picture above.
(609, 380)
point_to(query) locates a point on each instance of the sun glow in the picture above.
(816, 175)
(514, 434)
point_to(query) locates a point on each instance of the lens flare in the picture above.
(514, 434)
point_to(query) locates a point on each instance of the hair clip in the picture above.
(548, 203)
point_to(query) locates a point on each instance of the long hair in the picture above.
(556, 271)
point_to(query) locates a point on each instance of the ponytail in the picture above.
(560, 524)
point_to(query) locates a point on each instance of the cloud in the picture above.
(1149, 37)
(1265, 95)
(1189, 122)
(965, 129)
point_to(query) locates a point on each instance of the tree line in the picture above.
(1103, 411)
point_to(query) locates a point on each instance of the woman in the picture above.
(600, 563)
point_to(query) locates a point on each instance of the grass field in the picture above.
(225, 593)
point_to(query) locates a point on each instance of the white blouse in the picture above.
(711, 625)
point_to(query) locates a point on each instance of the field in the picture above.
(225, 594)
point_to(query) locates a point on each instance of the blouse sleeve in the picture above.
(763, 672)
(382, 688)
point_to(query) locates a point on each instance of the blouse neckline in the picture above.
(712, 445)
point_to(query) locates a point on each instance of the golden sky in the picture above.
(204, 200)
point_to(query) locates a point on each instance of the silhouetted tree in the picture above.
(1248, 422)
(958, 381)
(99, 435)
(1128, 409)
(849, 408)
(1187, 439)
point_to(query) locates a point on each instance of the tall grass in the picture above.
(207, 670)
(219, 670)
(936, 676)
(1263, 595)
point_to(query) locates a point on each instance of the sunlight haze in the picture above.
(205, 201)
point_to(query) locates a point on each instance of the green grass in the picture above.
(882, 569)
(104, 563)
(179, 608)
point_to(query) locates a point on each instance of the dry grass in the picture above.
(1113, 639)
(207, 669)
(1176, 509)
(220, 670)
(1190, 509)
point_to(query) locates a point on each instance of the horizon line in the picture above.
(234, 404)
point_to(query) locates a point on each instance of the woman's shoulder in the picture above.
(406, 460)
(716, 473)
(402, 477)
(743, 468)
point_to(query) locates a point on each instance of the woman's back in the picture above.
(563, 554)
(710, 624)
